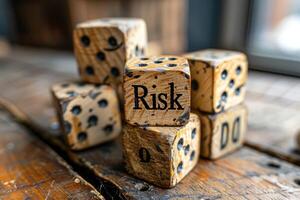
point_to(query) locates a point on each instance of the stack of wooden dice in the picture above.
(89, 111)
(161, 142)
(176, 107)
(162, 139)
(218, 91)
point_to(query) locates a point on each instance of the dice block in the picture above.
(224, 132)
(103, 46)
(218, 79)
(162, 156)
(88, 114)
(157, 91)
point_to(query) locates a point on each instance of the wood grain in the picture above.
(222, 75)
(273, 102)
(29, 169)
(151, 85)
(162, 156)
(81, 107)
(246, 173)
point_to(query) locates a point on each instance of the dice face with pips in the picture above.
(89, 115)
(218, 79)
(103, 46)
(157, 91)
(162, 156)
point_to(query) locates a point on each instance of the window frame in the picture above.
(235, 35)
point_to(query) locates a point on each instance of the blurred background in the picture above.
(268, 31)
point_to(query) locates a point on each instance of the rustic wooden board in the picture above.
(244, 174)
(274, 104)
(29, 169)
(238, 175)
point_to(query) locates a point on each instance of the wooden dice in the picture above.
(88, 114)
(157, 91)
(224, 132)
(218, 79)
(162, 155)
(103, 46)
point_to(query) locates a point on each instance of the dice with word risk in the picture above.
(218, 79)
(162, 156)
(103, 46)
(224, 132)
(157, 91)
(88, 114)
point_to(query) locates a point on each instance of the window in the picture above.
(276, 28)
(269, 31)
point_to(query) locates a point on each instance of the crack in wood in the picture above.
(83, 168)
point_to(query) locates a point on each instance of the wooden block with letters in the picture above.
(89, 114)
(224, 132)
(162, 155)
(103, 46)
(218, 79)
(157, 91)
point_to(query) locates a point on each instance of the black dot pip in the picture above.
(85, 40)
(194, 85)
(194, 131)
(102, 103)
(180, 167)
(224, 74)
(92, 120)
(192, 156)
(112, 41)
(186, 149)
(108, 129)
(76, 110)
(238, 70)
(81, 136)
(100, 56)
(180, 144)
(67, 127)
(89, 70)
(224, 96)
(115, 71)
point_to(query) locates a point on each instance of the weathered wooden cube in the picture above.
(157, 91)
(103, 46)
(218, 79)
(88, 114)
(162, 156)
(224, 132)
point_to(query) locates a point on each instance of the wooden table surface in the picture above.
(36, 164)
(29, 169)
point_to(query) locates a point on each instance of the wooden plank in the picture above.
(29, 169)
(274, 116)
(244, 174)
(237, 175)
